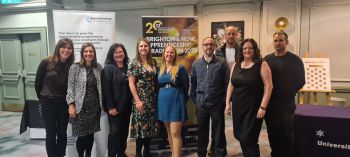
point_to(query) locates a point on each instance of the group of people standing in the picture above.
(233, 79)
(82, 91)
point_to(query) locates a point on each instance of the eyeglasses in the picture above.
(209, 44)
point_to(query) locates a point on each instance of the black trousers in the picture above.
(118, 134)
(84, 145)
(216, 114)
(280, 129)
(250, 149)
(55, 115)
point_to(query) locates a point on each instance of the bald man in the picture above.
(231, 47)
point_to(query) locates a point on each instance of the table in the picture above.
(322, 131)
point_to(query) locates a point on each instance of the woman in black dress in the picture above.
(85, 98)
(51, 88)
(117, 99)
(250, 86)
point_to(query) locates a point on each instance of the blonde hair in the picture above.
(174, 70)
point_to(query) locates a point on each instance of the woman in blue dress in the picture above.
(172, 97)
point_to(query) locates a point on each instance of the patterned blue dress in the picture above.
(172, 96)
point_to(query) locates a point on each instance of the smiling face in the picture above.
(169, 55)
(248, 50)
(65, 52)
(209, 46)
(88, 55)
(143, 49)
(119, 55)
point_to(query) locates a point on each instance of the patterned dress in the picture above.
(143, 124)
(88, 119)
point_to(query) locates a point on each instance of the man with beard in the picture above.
(231, 47)
(288, 77)
(209, 82)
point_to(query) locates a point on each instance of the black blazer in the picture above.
(115, 89)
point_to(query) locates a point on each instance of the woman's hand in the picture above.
(261, 113)
(139, 106)
(228, 109)
(72, 111)
(113, 112)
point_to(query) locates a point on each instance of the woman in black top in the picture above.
(51, 89)
(250, 87)
(117, 98)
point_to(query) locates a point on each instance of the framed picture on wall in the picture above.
(218, 31)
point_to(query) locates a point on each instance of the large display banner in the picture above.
(181, 32)
(97, 28)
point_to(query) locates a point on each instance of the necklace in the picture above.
(247, 64)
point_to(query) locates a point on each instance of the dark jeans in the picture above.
(216, 113)
(280, 129)
(55, 115)
(118, 134)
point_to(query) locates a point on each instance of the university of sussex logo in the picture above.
(320, 133)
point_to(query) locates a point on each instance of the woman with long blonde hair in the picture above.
(172, 97)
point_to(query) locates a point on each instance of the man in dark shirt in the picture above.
(209, 82)
(229, 51)
(288, 77)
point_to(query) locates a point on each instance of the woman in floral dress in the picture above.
(142, 82)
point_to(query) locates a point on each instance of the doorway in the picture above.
(21, 51)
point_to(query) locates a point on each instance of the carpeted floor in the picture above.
(12, 144)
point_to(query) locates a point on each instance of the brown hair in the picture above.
(280, 32)
(256, 57)
(54, 58)
(82, 60)
(149, 56)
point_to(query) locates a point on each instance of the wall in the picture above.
(25, 19)
(314, 25)
(289, 9)
(327, 33)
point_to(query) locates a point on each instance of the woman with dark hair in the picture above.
(85, 98)
(250, 87)
(142, 83)
(51, 89)
(117, 98)
(172, 98)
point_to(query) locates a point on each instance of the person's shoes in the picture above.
(211, 152)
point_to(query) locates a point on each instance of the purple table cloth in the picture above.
(322, 131)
